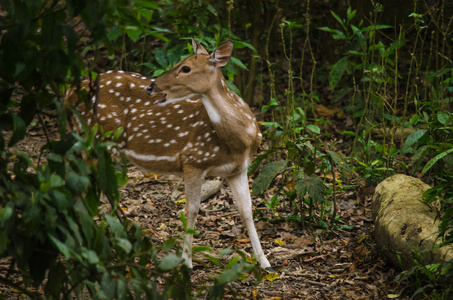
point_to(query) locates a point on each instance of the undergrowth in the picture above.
(392, 83)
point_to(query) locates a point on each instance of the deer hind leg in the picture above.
(193, 179)
(239, 185)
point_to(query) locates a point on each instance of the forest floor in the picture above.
(312, 263)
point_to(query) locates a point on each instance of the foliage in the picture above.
(384, 78)
(392, 80)
(50, 222)
(300, 185)
(433, 279)
(434, 141)
(298, 149)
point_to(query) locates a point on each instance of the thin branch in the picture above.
(14, 285)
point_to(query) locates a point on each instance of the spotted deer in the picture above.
(188, 122)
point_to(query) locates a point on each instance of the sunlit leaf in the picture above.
(271, 277)
(280, 242)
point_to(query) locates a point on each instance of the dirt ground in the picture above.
(312, 263)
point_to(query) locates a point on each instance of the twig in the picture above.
(19, 288)
(47, 137)
(334, 190)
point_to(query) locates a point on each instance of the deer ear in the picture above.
(198, 48)
(222, 54)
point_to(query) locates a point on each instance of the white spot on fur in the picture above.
(149, 157)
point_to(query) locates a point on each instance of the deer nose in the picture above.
(149, 88)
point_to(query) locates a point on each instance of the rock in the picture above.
(404, 222)
(210, 188)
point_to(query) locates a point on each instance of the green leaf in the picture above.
(214, 260)
(147, 14)
(124, 244)
(169, 244)
(5, 214)
(264, 179)
(226, 251)
(238, 63)
(4, 241)
(114, 33)
(350, 15)
(56, 181)
(348, 132)
(413, 138)
(108, 286)
(419, 154)
(133, 32)
(257, 161)
(90, 255)
(233, 261)
(436, 159)
(169, 262)
(314, 128)
(106, 174)
(313, 185)
(62, 247)
(116, 226)
(337, 72)
(381, 27)
(52, 32)
(211, 9)
(342, 166)
(240, 44)
(85, 220)
(201, 249)
(55, 279)
(18, 130)
(76, 183)
(272, 124)
(121, 288)
(338, 19)
(327, 29)
(183, 220)
(442, 117)
(121, 178)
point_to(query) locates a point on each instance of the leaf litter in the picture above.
(311, 263)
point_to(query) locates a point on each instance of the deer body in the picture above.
(185, 122)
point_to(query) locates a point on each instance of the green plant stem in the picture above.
(334, 191)
(272, 90)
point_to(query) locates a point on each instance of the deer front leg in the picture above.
(239, 185)
(193, 179)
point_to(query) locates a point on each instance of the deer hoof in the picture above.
(270, 270)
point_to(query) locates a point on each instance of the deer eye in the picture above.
(185, 69)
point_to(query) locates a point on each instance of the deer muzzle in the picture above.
(153, 89)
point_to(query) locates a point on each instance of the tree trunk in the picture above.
(404, 222)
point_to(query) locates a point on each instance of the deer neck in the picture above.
(231, 118)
